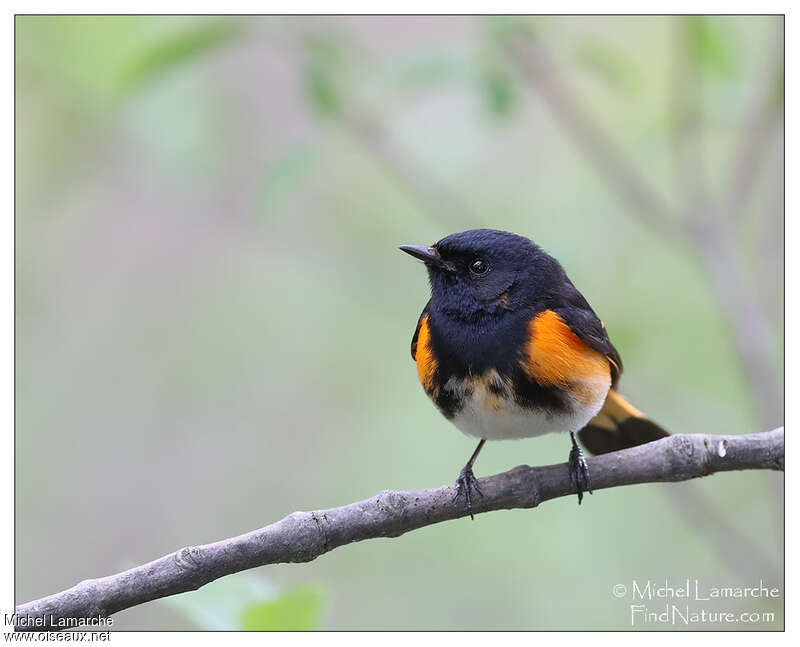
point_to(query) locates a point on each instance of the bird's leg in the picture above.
(466, 480)
(578, 470)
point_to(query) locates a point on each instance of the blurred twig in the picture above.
(372, 134)
(687, 127)
(304, 536)
(759, 124)
(539, 71)
(325, 74)
(711, 237)
(698, 220)
(737, 297)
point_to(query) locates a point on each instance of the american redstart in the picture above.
(508, 348)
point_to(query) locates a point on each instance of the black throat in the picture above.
(479, 343)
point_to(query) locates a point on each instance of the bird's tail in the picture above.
(618, 425)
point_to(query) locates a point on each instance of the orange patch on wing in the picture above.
(426, 362)
(555, 356)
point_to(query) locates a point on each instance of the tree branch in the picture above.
(304, 536)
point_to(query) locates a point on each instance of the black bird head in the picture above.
(484, 271)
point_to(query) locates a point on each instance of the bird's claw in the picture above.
(465, 483)
(579, 472)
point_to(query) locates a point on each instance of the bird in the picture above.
(508, 348)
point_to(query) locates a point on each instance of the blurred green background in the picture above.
(213, 320)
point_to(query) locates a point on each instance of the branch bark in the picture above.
(304, 536)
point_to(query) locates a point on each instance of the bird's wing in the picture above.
(619, 424)
(587, 326)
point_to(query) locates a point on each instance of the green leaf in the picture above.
(177, 49)
(323, 75)
(711, 44)
(498, 92)
(218, 605)
(80, 57)
(322, 88)
(495, 82)
(296, 610)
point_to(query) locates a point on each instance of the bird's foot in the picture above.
(465, 483)
(579, 472)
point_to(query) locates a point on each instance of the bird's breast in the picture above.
(554, 382)
(493, 407)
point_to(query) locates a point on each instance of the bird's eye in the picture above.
(479, 266)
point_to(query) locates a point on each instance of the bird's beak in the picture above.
(429, 255)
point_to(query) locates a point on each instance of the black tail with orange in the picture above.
(618, 425)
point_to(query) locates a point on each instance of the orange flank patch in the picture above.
(426, 362)
(555, 356)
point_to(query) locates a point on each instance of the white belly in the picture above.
(484, 416)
